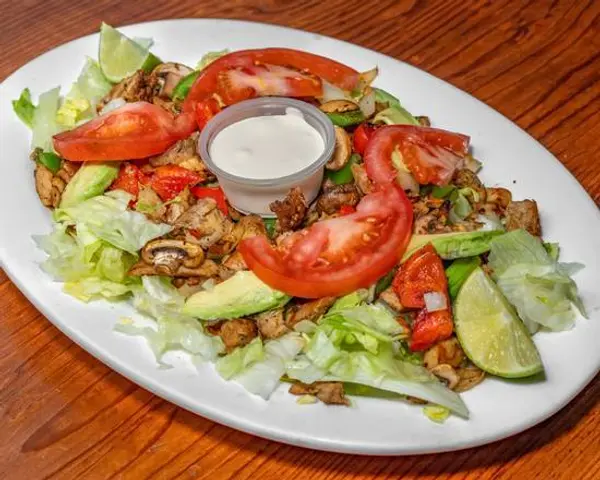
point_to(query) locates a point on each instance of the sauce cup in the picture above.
(249, 195)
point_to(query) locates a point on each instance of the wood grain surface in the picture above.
(63, 414)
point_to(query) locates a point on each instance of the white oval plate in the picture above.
(511, 158)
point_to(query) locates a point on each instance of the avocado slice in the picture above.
(454, 245)
(242, 294)
(91, 179)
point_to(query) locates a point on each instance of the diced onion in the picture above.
(490, 222)
(435, 301)
(367, 103)
(331, 92)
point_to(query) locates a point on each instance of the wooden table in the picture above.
(64, 414)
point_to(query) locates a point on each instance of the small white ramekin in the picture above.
(250, 195)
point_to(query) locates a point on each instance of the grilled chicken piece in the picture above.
(361, 178)
(139, 87)
(311, 310)
(333, 199)
(290, 211)
(174, 210)
(248, 226)
(465, 178)
(525, 215)
(331, 393)
(50, 186)
(206, 221)
(271, 324)
(237, 333)
(184, 154)
(391, 299)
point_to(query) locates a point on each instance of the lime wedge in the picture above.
(120, 57)
(491, 333)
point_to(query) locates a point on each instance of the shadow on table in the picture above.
(473, 459)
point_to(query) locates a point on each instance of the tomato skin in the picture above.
(430, 328)
(423, 272)
(208, 82)
(129, 179)
(205, 111)
(361, 137)
(136, 130)
(168, 181)
(336, 256)
(432, 155)
(215, 193)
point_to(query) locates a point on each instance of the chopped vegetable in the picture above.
(346, 119)
(183, 87)
(344, 175)
(458, 271)
(395, 116)
(541, 289)
(48, 159)
(216, 193)
(436, 414)
(44, 124)
(240, 359)
(209, 58)
(24, 108)
(454, 245)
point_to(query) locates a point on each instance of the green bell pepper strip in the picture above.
(344, 175)
(48, 159)
(183, 87)
(346, 119)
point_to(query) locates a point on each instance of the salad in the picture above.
(406, 278)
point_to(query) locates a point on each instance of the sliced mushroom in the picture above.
(206, 270)
(447, 352)
(342, 152)
(339, 106)
(469, 377)
(168, 76)
(168, 255)
(447, 374)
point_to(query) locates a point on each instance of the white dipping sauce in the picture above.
(267, 147)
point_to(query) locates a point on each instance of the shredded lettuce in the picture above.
(262, 377)
(540, 288)
(210, 57)
(79, 104)
(435, 413)
(24, 108)
(44, 124)
(159, 300)
(107, 217)
(240, 359)
(90, 267)
(362, 345)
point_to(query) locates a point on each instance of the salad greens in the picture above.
(540, 288)
(24, 108)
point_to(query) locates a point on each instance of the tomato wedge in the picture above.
(336, 256)
(285, 72)
(136, 130)
(168, 181)
(423, 273)
(432, 155)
